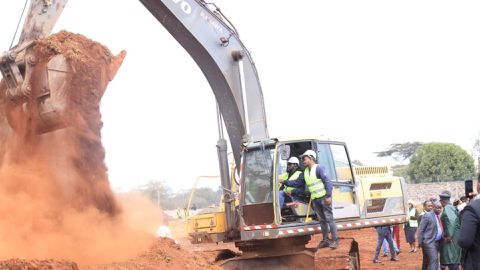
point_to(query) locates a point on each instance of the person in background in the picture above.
(430, 233)
(462, 203)
(455, 203)
(385, 248)
(450, 252)
(384, 233)
(469, 235)
(396, 236)
(427, 207)
(411, 226)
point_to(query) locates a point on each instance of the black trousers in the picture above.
(430, 256)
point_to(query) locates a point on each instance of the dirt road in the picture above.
(367, 240)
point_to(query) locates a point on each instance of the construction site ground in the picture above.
(165, 254)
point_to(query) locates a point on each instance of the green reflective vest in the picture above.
(315, 185)
(294, 176)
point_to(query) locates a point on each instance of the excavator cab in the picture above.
(264, 163)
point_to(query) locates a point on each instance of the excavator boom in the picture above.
(223, 59)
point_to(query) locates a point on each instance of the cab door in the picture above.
(334, 158)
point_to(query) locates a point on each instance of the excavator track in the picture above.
(292, 253)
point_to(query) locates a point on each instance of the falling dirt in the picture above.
(55, 198)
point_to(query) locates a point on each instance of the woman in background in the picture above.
(411, 226)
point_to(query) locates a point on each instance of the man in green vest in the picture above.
(320, 188)
(292, 174)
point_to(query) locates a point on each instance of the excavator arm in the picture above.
(216, 48)
(199, 27)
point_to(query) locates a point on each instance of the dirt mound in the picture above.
(367, 241)
(55, 198)
(164, 254)
(16, 264)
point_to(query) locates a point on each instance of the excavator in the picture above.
(267, 235)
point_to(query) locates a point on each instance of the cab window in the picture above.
(324, 159)
(258, 175)
(342, 163)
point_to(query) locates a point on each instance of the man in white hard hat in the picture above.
(320, 187)
(293, 175)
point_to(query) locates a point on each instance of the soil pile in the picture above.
(16, 264)
(164, 254)
(55, 198)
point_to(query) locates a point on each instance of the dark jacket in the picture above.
(469, 238)
(321, 174)
(427, 230)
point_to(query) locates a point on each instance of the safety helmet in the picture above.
(293, 160)
(310, 153)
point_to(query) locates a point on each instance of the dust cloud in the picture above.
(55, 198)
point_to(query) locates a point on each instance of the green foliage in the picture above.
(400, 151)
(401, 171)
(357, 162)
(159, 193)
(435, 162)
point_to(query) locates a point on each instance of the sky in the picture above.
(369, 73)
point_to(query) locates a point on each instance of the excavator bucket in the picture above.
(40, 74)
(43, 84)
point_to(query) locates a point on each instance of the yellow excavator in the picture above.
(266, 234)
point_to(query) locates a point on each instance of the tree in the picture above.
(435, 162)
(476, 151)
(159, 193)
(400, 151)
(357, 162)
(401, 171)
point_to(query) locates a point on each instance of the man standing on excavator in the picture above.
(320, 188)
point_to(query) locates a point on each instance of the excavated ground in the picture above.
(367, 240)
(164, 254)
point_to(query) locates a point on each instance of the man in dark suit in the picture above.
(430, 232)
(469, 238)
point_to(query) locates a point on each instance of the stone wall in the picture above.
(418, 193)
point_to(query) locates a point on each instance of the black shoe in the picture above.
(376, 261)
(323, 244)
(384, 255)
(334, 245)
(395, 259)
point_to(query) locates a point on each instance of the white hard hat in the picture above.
(293, 160)
(310, 153)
